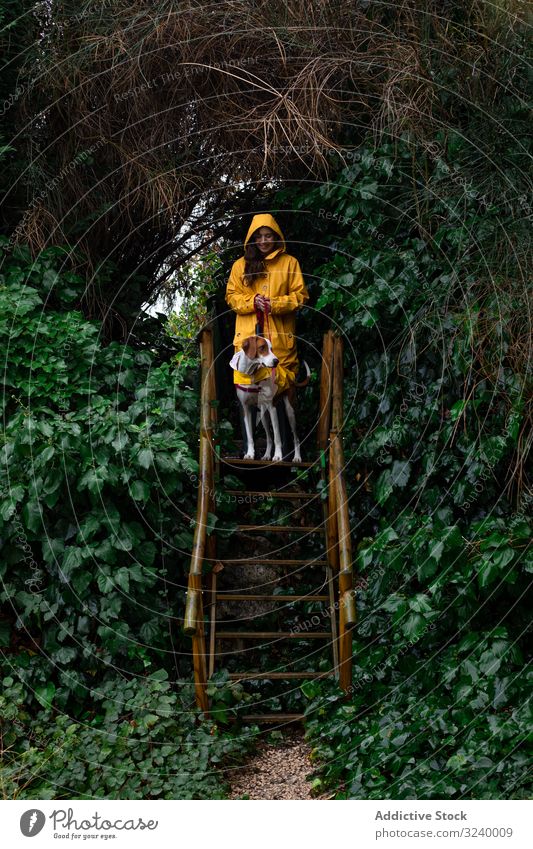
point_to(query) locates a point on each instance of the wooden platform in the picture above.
(239, 461)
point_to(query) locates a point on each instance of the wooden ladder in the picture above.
(282, 485)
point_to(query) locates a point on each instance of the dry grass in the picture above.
(186, 102)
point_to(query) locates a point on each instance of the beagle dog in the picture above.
(256, 364)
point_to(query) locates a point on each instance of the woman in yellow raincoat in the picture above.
(267, 282)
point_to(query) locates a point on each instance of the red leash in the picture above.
(260, 324)
(273, 372)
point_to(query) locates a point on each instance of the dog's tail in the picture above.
(306, 380)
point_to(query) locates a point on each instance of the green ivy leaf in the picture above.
(436, 550)
(420, 604)
(159, 675)
(122, 579)
(105, 583)
(400, 472)
(7, 508)
(72, 559)
(120, 442)
(492, 565)
(414, 626)
(140, 491)
(45, 693)
(384, 487)
(145, 458)
(31, 514)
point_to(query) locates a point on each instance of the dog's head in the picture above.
(260, 351)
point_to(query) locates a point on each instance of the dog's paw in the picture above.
(248, 456)
(267, 455)
(297, 458)
(277, 458)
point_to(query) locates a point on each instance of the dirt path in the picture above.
(277, 771)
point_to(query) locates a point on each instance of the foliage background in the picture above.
(438, 419)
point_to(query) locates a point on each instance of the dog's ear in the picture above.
(249, 347)
(263, 346)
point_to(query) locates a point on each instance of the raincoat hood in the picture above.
(265, 220)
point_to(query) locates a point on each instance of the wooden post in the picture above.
(194, 609)
(194, 593)
(332, 535)
(324, 419)
(337, 395)
(332, 555)
(346, 598)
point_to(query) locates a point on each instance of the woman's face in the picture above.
(265, 239)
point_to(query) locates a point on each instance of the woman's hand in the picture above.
(262, 304)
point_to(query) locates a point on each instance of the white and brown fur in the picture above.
(256, 352)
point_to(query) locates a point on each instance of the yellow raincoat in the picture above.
(283, 283)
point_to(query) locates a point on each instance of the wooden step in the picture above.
(221, 596)
(239, 461)
(278, 676)
(278, 529)
(282, 718)
(269, 562)
(297, 494)
(272, 635)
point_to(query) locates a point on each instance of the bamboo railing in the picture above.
(193, 623)
(339, 546)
